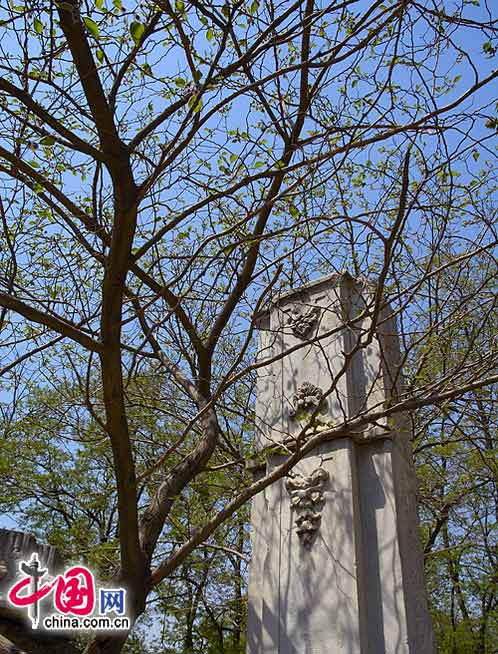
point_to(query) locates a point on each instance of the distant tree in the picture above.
(166, 168)
(455, 452)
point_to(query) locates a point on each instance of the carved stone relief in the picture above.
(307, 398)
(302, 320)
(306, 494)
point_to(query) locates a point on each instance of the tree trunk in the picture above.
(108, 644)
(113, 643)
(6, 647)
(17, 638)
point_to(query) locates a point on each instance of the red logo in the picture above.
(74, 592)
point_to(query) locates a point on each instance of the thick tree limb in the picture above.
(58, 324)
(47, 118)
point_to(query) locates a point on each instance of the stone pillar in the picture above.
(337, 564)
(16, 546)
(16, 634)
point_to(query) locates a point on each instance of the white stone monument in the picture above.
(337, 564)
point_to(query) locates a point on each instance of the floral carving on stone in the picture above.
(306, 494)
(307, 398)
(302, 319)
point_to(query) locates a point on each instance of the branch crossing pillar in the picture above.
(337, 564)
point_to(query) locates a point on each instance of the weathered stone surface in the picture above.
(293, 362)
(307, 597)
(351, 581)
(18, 546)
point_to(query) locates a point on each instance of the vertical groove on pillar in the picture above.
(359, 542)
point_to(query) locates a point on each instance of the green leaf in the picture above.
(210, 34)
(47, 140)
(136, 30)
(294, 211)
(38, 25)
(475, 154)
(118, 4)
(91, 26)
(254, 6)
(100, 55)
(489, 49)
(99, 4)
(195, 104)
(259, 164)
(147, 69)
(179, 81)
